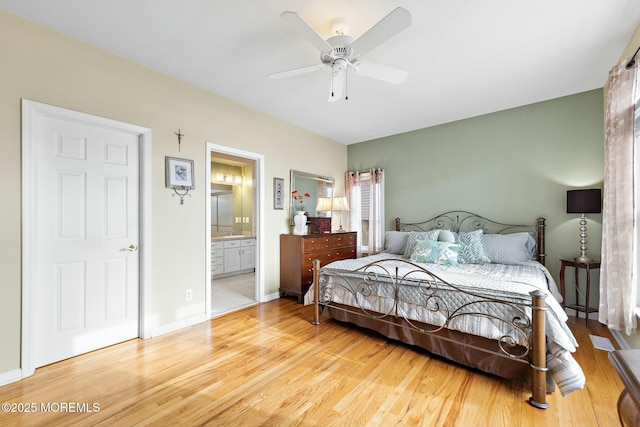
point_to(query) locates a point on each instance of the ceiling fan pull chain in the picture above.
(332, 75)
(346, 86)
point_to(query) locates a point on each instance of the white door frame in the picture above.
(259, 200)
(30, 110)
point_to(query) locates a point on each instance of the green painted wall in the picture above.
(511, 166)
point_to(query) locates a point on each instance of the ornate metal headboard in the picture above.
(468, 221)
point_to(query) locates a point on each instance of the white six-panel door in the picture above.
(86, 278)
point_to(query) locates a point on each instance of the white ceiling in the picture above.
(465, 57)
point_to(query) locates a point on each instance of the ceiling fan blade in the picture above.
(303, 27)
(381, 72)
(296, 71)
(399, 19)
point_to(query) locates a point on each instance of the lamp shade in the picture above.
(584, 201)
(324, 204)
(340, 204)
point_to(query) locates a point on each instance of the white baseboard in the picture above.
(575, 313)
(617, 335)
(10, 376)
(271, 297)
(175, 326)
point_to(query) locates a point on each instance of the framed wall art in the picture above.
(278, 193)
(179, 173)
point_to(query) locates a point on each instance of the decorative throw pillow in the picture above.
(509, 248)
(395, 242)
(435, 252)
(419, 235)
(472, 248)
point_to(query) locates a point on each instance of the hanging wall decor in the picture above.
(278, 193)
(179, 176)
(180, 135)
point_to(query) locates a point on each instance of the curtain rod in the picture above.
(633, 59)
(365, 170)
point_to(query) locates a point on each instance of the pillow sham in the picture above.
(395, 242)
(472, 248)
(419, 235)
(509, 248)
(435, 252)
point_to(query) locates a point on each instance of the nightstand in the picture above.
(577, 265)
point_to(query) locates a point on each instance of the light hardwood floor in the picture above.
(267, 365)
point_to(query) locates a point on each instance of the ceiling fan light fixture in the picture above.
(339, 26)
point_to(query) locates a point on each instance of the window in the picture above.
(365, 192)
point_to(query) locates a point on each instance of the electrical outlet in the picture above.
(188, 295)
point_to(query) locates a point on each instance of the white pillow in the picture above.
(395, 242)
(509, 248)
(447, 236)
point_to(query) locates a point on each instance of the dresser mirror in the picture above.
(314, 185)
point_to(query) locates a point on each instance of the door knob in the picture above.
(131, 248)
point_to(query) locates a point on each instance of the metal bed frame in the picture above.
(526, 341)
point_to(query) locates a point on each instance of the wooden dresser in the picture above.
(298, 252)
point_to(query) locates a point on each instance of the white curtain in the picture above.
(354, 198)
(376, 211)
(372, 182)
(618, 285)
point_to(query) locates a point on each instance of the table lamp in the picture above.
(340, 205)
(321, 224)
(324, 204)
(584, 202)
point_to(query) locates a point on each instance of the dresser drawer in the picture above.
(248, 242)
(324, 257)
(217, 245)
(317, 244)
(232, 244)
(340, 241)
(217, 261)
(217, 269)
(345, 253)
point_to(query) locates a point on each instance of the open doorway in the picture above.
(233, 218)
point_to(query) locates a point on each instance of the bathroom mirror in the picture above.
(232, 196)
(314, 185)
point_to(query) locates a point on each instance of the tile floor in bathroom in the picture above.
(231, 293)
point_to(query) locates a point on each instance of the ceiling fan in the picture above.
(342, 52)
